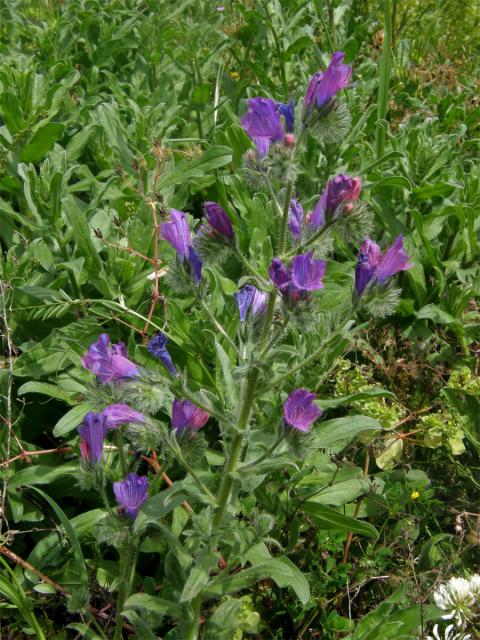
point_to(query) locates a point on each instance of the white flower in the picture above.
(457, 599)
(475, 587)
(449, 634)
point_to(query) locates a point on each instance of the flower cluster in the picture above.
(460, 599)
(132, 492)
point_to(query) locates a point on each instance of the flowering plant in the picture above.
(249, 410)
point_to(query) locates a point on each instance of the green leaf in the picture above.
(185, 170)
(72, 419)
(84, 631)
(229, 385)
(199, 576)
(224, 621)
(71, 535)
(159, 506)
(46, 389)
(41, 142)
(434, 313)
(42, 474)
(143, 601)
(51, 549)
(281, 570)
(333, 403)
(341, 431)
(327, 518)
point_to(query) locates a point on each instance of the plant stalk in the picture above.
(384, 81)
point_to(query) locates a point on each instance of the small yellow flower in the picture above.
(414, 495)
(235, 75)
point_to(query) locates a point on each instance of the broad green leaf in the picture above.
(159, 506)
(72, 419)
(281, 570)
(340, 431)
(143, 601)
(327, 518)
(199, 576)
(46, 389)
(434, 313)
(41, 142)
(42, 474)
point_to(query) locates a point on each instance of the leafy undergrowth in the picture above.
(349, 512)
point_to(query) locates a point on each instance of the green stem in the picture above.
(217, 324)
(384, 81)
(279, 49)
(282, 239)
(331, 24)
(311, 358)
(262, 281)
(311, 240)
(264, 455)
(200, 483)
(121, 452)
(127, 572)
(236, 449)
(192, 629)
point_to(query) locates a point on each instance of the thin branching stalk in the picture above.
(384, 81)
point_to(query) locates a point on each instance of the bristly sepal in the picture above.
(147, 395)
(381, 302)
(210, 248)
(333, 126)
(356, 224)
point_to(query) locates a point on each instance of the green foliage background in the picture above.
(107, 105)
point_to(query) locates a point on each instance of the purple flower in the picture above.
(394, 259)
(324, 87)
(279, 274)
(339, 192)
(262, 124)
(307, 273)
(177, 233)
(195, 265)
(92, 432)
(158, 348)
(218, 220)
(372, 266)
(295, 219)
(186, 415)
(244, 299)
(131, 493)
(117, 414)
(249, 296)
(109, 362)
(299, 409)
(288, 112)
